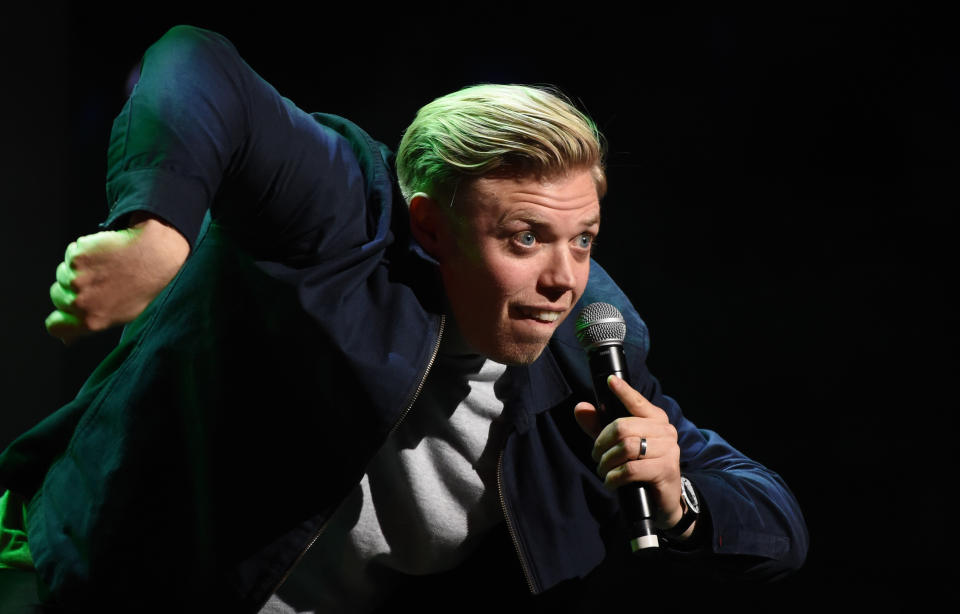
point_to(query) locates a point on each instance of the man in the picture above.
(344, 390)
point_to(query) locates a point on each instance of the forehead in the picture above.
(571, 193)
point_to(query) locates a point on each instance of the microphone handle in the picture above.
(635, 504)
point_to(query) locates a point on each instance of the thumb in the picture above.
(588, 418)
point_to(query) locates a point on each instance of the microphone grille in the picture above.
(600, 324)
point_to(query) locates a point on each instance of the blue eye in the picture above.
(526, 238)
(585, 241)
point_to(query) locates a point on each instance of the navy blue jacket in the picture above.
(240, 408)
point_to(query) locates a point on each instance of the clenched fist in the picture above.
(109, 278)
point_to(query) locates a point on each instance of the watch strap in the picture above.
(690, 512)
(681, 527)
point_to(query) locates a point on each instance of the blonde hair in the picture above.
(496, 129)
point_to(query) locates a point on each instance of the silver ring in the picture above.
(643, 446)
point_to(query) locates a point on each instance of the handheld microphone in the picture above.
(601, 330)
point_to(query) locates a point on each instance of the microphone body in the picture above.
(601, 331)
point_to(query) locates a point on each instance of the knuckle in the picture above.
(632, 470)
(81, 279)
(617, 476)
(79, 260)
(628, 427)
(80, 301)
(609, 481)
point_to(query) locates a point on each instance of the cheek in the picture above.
(583, 276)
(510, 278)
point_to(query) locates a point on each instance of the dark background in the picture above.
(780, 211)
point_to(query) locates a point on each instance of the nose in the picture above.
(559, 273)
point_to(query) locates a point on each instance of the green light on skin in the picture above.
(14, 550)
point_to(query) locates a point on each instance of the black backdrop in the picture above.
(779, 210)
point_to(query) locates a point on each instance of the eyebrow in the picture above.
(534, 219)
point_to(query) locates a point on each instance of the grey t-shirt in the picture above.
(426, 499)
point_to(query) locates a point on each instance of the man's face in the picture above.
(515, 257)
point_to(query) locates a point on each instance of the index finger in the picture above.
(636, 403)
(70, 253)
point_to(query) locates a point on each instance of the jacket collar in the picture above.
(532, 389)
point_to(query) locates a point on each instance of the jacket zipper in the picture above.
(413, 399)
(513, 531)
(423, 379)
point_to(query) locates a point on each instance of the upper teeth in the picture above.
(546, 316)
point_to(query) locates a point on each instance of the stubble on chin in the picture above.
(516, 354)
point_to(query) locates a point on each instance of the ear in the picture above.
(426, 222)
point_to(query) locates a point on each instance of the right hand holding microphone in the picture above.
(110, 277)
(618, 446)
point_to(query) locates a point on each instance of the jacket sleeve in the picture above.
(202, 131)
(750, 510)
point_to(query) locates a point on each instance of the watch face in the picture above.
(690, 495)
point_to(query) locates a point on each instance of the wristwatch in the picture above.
(690, 514)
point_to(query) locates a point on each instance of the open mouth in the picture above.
(541, 315)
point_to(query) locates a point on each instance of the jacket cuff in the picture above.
(178, 200)
(734, 529)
